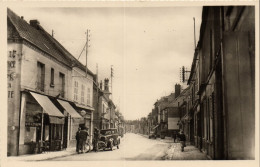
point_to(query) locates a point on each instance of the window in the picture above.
(56, 130)
(76, 91)
(62, 84)
(30, 134)
(52, 78)
(211, 50)
(82, 93)
(88, 96)
(40, 76)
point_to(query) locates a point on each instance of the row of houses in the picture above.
(216, 109)
(50, 93)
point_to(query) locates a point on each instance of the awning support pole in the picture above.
(42, 129)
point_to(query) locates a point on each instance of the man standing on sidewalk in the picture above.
(96, 138)
(174, 136)
(83, 135)
(77, 139)
(182, 140)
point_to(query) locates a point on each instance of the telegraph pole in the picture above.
(194, 33)
(112, 75)
(87, 45)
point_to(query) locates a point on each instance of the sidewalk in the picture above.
(174, 151)
(43, 156)
(190, 153)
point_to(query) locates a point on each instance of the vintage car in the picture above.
(108, 139)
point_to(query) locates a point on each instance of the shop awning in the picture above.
(56, 120)
(47, 105)
(69, 109)
(85, 107)
(78, 121)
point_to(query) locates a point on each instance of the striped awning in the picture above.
(73, 113)
(47, 105)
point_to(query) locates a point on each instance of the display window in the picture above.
(56, 131)
(46, 133)
(30, 135)
(74, 130)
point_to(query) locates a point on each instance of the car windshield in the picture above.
(108, 132)
(105, 132)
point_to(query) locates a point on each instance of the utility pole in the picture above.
(112, 75)
(194, 33)
(87, 46)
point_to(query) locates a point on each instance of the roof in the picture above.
(163, 104)
(41, 39)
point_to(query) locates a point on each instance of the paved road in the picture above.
(132, 147)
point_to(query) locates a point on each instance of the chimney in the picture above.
(177, 90)
(165, 99)
(101, 85)
(35, 24)
(106, 85)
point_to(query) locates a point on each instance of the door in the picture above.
(65, 133)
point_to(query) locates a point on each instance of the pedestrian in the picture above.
(83, 135)
(96, 138)
(77, 140)
(174, 136)
(182, 140)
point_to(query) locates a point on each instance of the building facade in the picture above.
(42, 114)
(226, 82)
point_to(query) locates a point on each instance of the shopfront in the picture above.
(87, 113)
(73, 120)
(41, 126)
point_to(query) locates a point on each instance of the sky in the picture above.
(146, 46)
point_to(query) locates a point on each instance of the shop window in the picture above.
(56, 132)
(46, 133)
(74, 131)
(30, 134)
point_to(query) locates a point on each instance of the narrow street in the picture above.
(137, 147)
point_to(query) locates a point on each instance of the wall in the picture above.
(79, 76)
(29, 72)
(14, 53)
